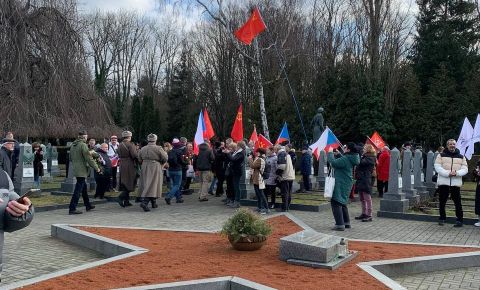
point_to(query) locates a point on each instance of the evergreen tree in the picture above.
(182, 112)
(445, 55)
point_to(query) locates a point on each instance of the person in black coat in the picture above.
(37, 164)
(306, 168)
(476, 174)
(363, 184)
(218, 167)
(236, 156)
(102, 178)
(6, 155)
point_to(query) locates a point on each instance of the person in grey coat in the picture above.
(270, 176)
(14, 215)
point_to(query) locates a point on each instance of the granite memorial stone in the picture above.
(430, 171)
(322, 174)
(394, 200)
(313, 249)
(418, 183)
(407, 188)
(68, 185)
(24, 171)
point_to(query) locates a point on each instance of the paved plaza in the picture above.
(36, 253)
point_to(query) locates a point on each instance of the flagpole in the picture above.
(282, 66)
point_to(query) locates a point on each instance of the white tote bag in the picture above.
(329, 185)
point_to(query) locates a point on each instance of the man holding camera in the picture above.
(15, 213)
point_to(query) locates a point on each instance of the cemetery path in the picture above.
(41, 254)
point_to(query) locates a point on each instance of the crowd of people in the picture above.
(219, 167)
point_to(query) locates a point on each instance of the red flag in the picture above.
(251, 28)
(263, 142)
(377, 139)
(254, 136)
(208, 133)
(237, 130)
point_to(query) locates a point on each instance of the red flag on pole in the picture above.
(263, 142)
(254, 136)
(377, 139)
(237, 130)
(208, 133)
(251, 28)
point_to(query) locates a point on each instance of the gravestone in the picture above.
(394, 200)
(322, 164)
(91, 183)
(418, 183)
(407, 188)
(24, 170)
(430, 171)
(313, 249)
(46, 174)
(52, 161)
(68, 185)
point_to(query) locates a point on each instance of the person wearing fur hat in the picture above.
(152, 157)
(127, 153)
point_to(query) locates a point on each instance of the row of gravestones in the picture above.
(23, 177)
(407, 185)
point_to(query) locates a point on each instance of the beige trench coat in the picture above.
(153, 158)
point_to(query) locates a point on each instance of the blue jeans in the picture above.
(213, 184)
(176, 182)
(36, 181)
(261, 198)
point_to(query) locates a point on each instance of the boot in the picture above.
(154, 202)
(144, 205)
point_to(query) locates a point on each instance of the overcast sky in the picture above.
(186, 16)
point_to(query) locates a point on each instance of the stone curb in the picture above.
(116, 250)
(421, 217)
(219, 283)
(299, 207)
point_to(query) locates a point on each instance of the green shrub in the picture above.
(245, 223)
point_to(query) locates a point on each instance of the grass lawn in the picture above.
(49, 199)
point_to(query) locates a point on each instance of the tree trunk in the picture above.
(259, 86)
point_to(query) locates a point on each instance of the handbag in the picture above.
(190, 171)
(329, 184)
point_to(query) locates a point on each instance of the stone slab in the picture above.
(332, 265)
(387, 205)
(309, 246)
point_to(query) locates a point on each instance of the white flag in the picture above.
(465, 136)
(475, 139)
(476, 130)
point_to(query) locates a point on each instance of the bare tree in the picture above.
(131, 41)
(44, 83)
